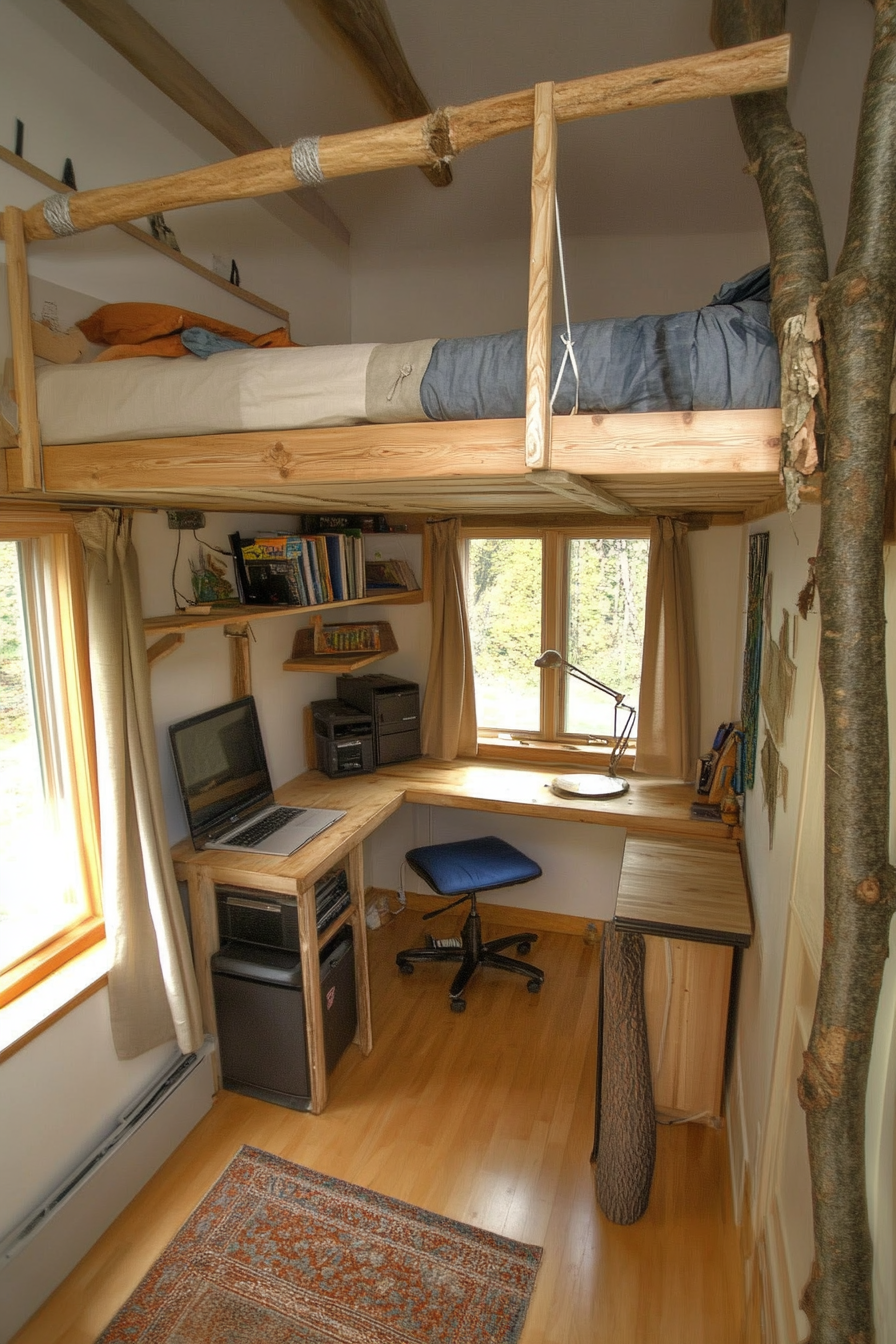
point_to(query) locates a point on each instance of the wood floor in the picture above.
(487, 1117)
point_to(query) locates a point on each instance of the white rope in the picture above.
(568, 351)
(305, 160)
(57, 213)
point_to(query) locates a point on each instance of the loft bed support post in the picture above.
(541, 279)
(22, 347)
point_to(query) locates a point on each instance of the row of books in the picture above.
(312, 570)
(299, 571)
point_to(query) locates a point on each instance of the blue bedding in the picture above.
(720, 357)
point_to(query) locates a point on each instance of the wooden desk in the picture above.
(690, 900)
(652, 808)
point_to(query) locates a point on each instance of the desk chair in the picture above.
(470, 866)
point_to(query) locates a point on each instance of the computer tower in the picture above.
(260, 1007)
(394, 706)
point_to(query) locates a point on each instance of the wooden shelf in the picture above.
(186, 620)
(334, 662)
(304, 659)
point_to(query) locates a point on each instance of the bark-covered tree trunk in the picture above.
(858, 319)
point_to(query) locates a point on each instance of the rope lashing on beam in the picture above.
(305, 159)
(57, 213)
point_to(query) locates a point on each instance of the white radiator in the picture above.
(37, 1255)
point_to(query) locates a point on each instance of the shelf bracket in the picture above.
(162, 647)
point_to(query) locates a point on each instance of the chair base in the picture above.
(473, 953)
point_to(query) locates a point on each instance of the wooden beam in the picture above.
(141, 236)
(163, 647)
(581, 492)
(22, 348)
(541, 278)
(365, 30)
(154, 57)
(735, 70)
(240, 666)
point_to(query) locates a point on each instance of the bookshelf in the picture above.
(181, 621)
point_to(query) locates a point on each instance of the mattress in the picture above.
(720, 357)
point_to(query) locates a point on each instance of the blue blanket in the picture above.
(720, 357)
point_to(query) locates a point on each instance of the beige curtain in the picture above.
(668, 714)
(448, 721)
(152, 986)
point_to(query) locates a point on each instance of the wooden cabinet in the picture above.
(689, 898)
(687, 988)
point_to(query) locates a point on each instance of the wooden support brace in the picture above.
(581, 492)
(22, 348)
(240, 668)
(162, 647)
(541, 276)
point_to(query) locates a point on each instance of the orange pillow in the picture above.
(169, 347)
(121, 324)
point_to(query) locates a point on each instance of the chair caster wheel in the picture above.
(523, 948)
(458, 1005)
(406, 967)
(533, 986)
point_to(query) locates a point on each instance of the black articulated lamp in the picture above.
(595, 785)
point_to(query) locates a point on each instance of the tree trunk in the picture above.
(858, 316)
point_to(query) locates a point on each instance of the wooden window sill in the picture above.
(27, 1016)
(533, 752)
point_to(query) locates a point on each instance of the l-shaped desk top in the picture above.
(680, 876)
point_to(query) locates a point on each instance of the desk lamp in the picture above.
(594, 786)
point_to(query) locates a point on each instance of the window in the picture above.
(580, 592)
(49, 880)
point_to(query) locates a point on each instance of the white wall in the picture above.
(770, 866)
(473, 289)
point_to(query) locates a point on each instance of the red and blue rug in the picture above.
(279, 1254)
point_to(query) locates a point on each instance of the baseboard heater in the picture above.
(37, 1255)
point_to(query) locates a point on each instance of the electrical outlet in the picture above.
(185, 520)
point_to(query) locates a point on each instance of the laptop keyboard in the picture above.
(260, 830)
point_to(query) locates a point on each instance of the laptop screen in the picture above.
(221, 767)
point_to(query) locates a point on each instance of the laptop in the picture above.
(226, 788)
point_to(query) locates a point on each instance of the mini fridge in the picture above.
(260, 1006)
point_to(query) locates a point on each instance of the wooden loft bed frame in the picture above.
(723, 463)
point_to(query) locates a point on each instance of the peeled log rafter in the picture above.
(442, 135)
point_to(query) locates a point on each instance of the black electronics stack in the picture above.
(343, 736)
(394, 707)
(259, 998)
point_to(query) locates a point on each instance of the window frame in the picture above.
(55, 533)
(550, 743)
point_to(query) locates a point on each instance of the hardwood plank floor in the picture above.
(485, 1116)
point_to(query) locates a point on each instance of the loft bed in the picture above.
(678, 461)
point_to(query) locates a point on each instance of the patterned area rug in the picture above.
(279, 1254)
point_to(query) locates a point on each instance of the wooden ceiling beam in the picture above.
(580, 491)
(158, 61)
(365, 31)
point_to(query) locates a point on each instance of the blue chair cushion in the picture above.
(471, 865)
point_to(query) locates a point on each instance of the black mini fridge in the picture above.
(260, 1006)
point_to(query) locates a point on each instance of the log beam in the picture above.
(365, 29)
(427, 140)
(579, 491)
